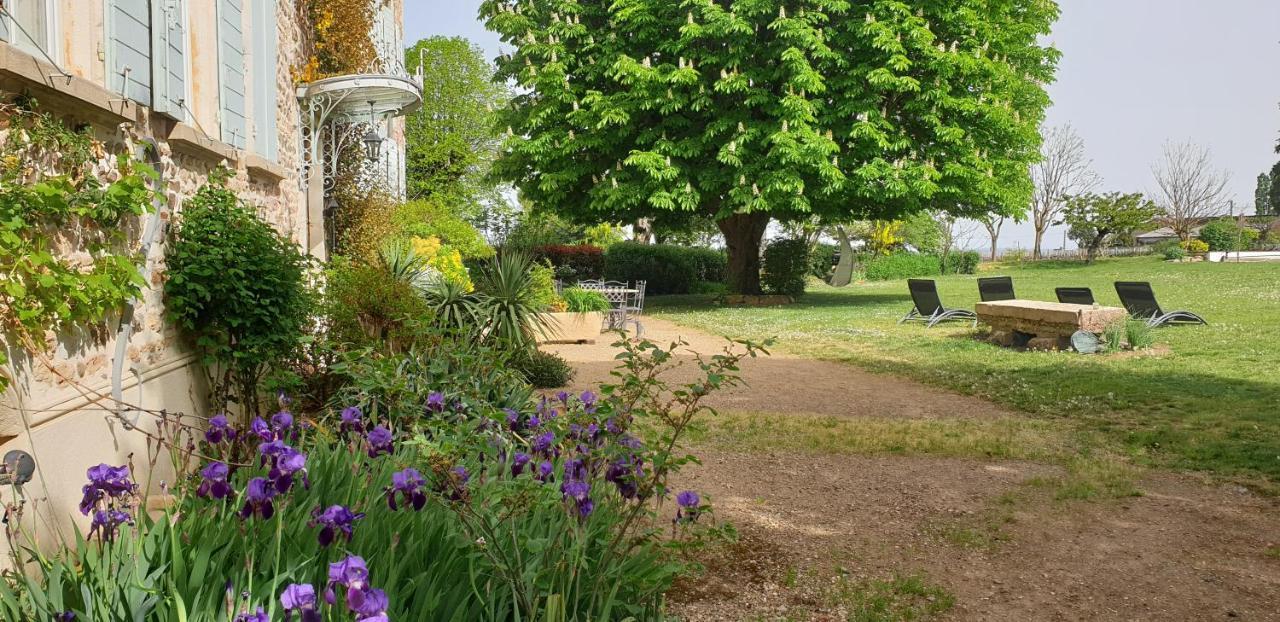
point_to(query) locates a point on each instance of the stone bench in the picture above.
(1043, 325)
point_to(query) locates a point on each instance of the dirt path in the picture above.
(781, 383)
(983, 531)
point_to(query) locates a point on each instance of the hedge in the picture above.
(786, 267)
(962, 262)
(576, 262)
(902, 266)
(666, 269)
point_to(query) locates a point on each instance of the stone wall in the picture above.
(59, 407)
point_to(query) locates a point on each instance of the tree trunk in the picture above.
(995, 237)
(1035, 252)
(742, 235)
(844, 270)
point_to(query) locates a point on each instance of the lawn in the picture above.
(1210, 402)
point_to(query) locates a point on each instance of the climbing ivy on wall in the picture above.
(65, 257)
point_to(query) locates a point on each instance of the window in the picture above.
(265, 62)
(29, 25)
(231, 58)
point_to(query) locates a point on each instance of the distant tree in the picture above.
(1273, 197)
(452, 141)
(1063, 170)
(1192, 189)
(1262, 196)
(993, 223)
(748, 111)
(1093, 218)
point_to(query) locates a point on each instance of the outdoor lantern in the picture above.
(372, 139)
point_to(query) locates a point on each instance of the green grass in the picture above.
(903, 598)
(1212, 403)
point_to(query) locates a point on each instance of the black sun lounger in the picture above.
(1075, 295)
(994, 288)
(929, 309)
(1140, 302)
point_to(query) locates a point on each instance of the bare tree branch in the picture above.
(1192, 189)
(1063, 170)
(993, 223)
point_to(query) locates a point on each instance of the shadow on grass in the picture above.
(1168, 418)
(699, 303)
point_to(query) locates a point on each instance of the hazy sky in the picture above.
(1134, 74)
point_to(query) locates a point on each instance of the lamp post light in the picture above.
(373, 139)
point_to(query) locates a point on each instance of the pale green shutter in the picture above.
(231, 57)
(265, 64)
(169, 60)
(129, 49)
(4, 28)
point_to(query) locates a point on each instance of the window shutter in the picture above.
(4, 28)
(231, 57)
(129, 28)
(169, 62)
(265, 62)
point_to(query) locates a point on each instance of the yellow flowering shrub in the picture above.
(446, 260)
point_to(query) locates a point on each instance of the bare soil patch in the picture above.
(981, 530)
(990, 533)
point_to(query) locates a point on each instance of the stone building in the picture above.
(206, 83)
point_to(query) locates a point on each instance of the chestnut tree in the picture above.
(749, 110)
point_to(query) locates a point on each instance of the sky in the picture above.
(1134, 74)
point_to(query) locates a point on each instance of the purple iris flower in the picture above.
(288, 462)
(588, 402)
(542, 444)
(219, 429)
(688, 506)
(519, 463)
(545, 470)
(513, 419)
(281, 421)
(625, 473)
(352, 420)
(302, 599)
(407, 484)
(262, 430)
(65, 616)
(563, 396)
(213, 482)
(106, 522)
(106, 483)
(257, 499)
(435, 402)
(578, 491)
(256, 616)
(350, 573)
(379, 440)
(369, 605)
(332, 520)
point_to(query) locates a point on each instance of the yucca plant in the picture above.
(509, 301)
(455, 308)
(406, 265)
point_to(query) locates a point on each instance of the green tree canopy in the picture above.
(747, 110)
(1093, 218)
(1262, 196)
(452, 140)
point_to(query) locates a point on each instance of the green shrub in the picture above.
(543, 282)
(902, 266)
(786, 267)
(709, 288)
(1171, 250)
(1196, 247)
(962, 262)
(1114, 335)
(235, 287)
(822, 260)
(544, 370)
(366, 307)
(666, 269)
(1223, 235)
(428, 219)
(578, 300)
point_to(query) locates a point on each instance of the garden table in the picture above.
(1044, 325)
